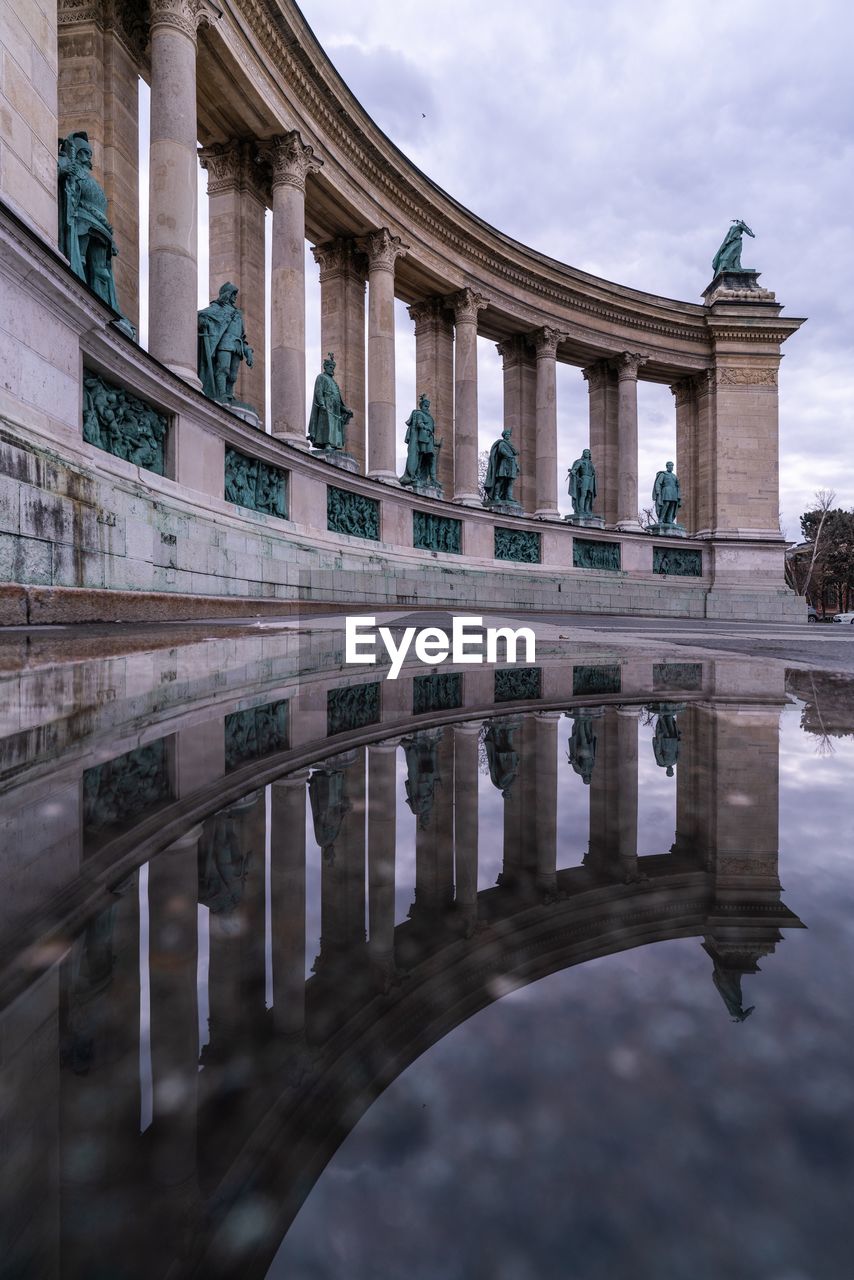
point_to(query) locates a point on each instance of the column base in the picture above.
(189, 375)
(586, 522)
(504, 506)
(336, 458)
(547, 513)
(668, 531)
(629, 526)
(385, 477)
(467, 499)
(281, 431)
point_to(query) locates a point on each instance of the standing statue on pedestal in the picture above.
(581, 484)
(329, 414)
(728, 257)
(667, 496)
(222, 345)
(501, 473)
(422, 453)
(85, 235)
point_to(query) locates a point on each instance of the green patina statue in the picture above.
(581, 751)
(582, 484)
(85, 235)
(666, 495)
(665, 741)
(329, 414)
(422, 453)
(728, 257)
(501, 472)
(222, 345)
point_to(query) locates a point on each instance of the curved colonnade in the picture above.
(281, 131)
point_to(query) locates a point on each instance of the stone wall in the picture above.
(28, 111)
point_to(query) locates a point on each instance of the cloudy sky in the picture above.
(622, 137)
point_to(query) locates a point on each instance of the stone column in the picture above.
(236, 207)
(602, 387)
(383, 249)
(685, 393)
(614, 797)
(704, 503)
(466, 738)
(292, 161)
(173, 184)
(627, 441)
(98, 61)
(520, 412)
(382, 802)
(545, 765)
(466, 305)
(545, 345)
(343, 273)
(287, 892)
(434, 377)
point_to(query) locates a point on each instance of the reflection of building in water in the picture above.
(379, 994)
(581, 751)
(666, 735)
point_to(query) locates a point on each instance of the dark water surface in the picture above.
(521, 974)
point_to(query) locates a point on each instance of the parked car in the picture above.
(844, 617)
(813, 614)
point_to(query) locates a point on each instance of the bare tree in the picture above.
(824, 500)
(647, 517)
(482, 468)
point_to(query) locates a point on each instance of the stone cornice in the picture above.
(292, 160)
(301, 64)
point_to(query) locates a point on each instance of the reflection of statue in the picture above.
(422, 773)
(502, 470)
(85, 235)
(222, 345)
(665, 741)
(666, 495)
(223, 865)
(582, 747)
(329, 414)
(502, 755)
(423, 450)
(582, 484)
(327, 792)
(728, 257)
(728, 983)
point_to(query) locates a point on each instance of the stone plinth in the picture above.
(425, 489)
(739, 286)
(336, 458)
(668, 531)
(504, 508)
(586, 522)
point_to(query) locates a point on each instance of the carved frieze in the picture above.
(255, 733)
(352, 513)
(437, 533)
(517, 544)
(518, 684)
(255, 484)
(121, 423)
(292, 160)
(352, 707)
(745, 376)
(677, 675)
(442, 691)
(587, 554)
(125, 788)
(598, 679)
(677, 562)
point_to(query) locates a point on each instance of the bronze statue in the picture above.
(728, 257)
(582, 484)
(502, 471)
(329, 414)
(582, 747)
(423, 449)
(85, 235)
(667, 495)
(222, 345)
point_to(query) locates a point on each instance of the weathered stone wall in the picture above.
(28, 112)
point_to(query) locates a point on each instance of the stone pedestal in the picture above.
(336, 458)
(668, 531)
(737, 286)
(425, 489)
(586, 522)
(503, 508)
(466, 305)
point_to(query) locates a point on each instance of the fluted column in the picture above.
(687, 468)
(520, 411)
(173, 167)
(466, 304)
(627, 431)
(383, 250)
(434, 377)
(292, 161)
(602, 387)
(343, 275)
(236, 208)
(287, 893)
(466, 738)
(545, 465)
(382, 808)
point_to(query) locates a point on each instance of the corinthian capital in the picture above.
(428, 313)
(232, 166)
(466, 304)
(339, 257)
(383, 249)
(596, 375)
(545, 342)
(292, 160)
(183, 15)
(684, 391)
(628, 363)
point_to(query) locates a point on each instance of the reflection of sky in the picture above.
(611, 1120)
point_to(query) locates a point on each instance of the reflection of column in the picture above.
(287, 909)
(232, 887)
(173, 184)
(292, 161)
(466, 305)
(236, 209)
(545, 766)
(545, 344)
(382, 788)
(342, 331)
(602, 387)
(627, 431)
(173, 884)
(342, 889)
(520, 412)
(685, 392)
(520, 811)
(434, 835)
(466, 739)
(383, 250)
(434, 377)
(614, 797)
